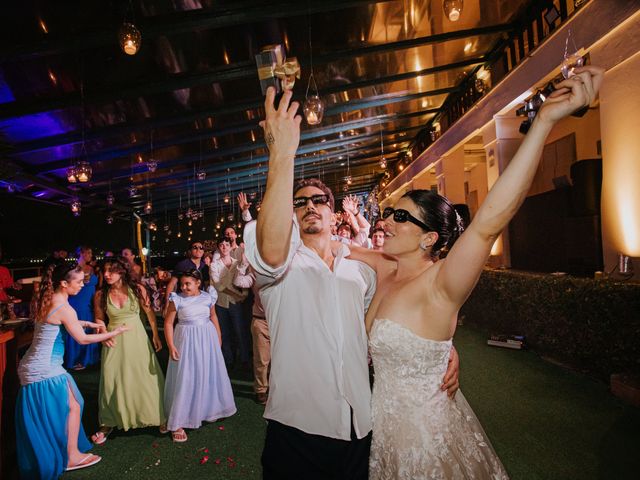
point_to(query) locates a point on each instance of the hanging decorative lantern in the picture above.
(109, 219)
(179, 234)
(168, 232)
(313, 109)
(217, 226)
(76, 208)
(130, 38)
(152, 165)
(349, 180)
(253, 195)
(204, 229)
(383, 163)
(71, 174)
(165, 228)
(189, 213)
(166, 240)
(111, 199)
(148, 207)
(345, 188)
(188, 239)
(226, 198)
(83, 172)
(190, 232)
(230, 217)
(180, 216)
(153, 238)
(133, 191)
(201, 175)
(190, 223)
(153, 226)
(452, 9)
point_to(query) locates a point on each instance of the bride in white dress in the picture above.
(418, 432)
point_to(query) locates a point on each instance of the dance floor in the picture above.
(545, 423)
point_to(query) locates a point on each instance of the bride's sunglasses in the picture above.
(402, 216)
(315, 199)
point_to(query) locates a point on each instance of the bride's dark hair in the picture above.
(440, 216)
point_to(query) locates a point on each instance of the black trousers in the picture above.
(291, 454)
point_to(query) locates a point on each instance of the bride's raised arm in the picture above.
(461, 269)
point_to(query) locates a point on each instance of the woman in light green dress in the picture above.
(131, 380)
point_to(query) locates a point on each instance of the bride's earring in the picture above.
(424, 246)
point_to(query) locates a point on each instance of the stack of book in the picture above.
(515, 342)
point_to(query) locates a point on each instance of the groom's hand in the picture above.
(450, 380)
(281, 126)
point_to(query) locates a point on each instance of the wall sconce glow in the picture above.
(83, 172)
(130, 38)
(496, 249)
(452, 9)
(76, 208)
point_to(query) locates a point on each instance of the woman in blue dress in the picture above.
(78, 356)
(198, 388)
(49, 434)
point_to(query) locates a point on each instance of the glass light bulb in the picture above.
(452, 9)
(313, 109)
(570, 63)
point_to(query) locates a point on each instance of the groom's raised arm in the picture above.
(282, 136)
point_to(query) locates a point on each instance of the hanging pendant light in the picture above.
(83, 171)
(452, 9)
(349, 180)
(383, 163)
(109, 219)
(153, 227)
(226, 198)
(313, 106)
(230, 217)
(201, 175)
(111, 199)
(71, 174)
(313, 109)
(130, 38)
(76, 208)
(152, 165)
(132, 190)
(189, 223)
(179, 234)
(148, 207)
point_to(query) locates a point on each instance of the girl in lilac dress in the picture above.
(197, 388)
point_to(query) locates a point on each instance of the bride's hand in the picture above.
(450, 380)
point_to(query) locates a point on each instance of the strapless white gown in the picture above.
(418, 432)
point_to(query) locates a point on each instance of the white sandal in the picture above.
(82, 463)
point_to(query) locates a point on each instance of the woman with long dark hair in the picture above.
(418, 433)
(49, 433)
(131, 380)
(77, 356)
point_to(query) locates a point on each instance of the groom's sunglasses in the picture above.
(299, 202)
(402, 216)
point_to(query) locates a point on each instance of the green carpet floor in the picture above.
(544, 422)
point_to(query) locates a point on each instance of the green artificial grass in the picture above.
(545, 422)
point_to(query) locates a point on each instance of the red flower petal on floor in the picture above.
(204, 459)
(217, 462)
(221, 427)
(229, 459)
(206, 450)
(154, 445)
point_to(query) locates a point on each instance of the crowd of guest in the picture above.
(212, 319)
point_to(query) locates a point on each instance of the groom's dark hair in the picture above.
(315, 182)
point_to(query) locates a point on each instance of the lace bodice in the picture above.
(418, 432)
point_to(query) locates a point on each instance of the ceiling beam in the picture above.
(176, 23)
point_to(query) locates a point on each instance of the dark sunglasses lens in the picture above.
(197, 247)
(386, 212)
(299, 202)
(319, 199)
(400, 216)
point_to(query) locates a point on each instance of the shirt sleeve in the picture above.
(214, 296)
(255, 260)
(244, 278)
(246, 216)
(175, 298)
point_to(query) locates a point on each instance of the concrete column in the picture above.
(450, 174)
(501, 140)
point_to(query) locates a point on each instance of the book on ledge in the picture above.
(516, 342)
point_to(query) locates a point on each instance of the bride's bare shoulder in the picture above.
(373, 258)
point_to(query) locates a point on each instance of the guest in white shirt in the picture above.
(229, 309)
(318, 411)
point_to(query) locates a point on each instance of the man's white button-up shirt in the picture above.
(318, 340)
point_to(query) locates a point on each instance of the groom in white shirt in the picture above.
(318, 412)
